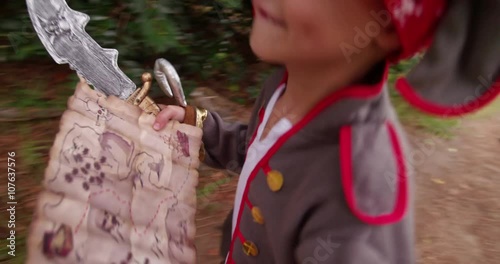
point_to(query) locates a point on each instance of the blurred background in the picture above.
(207, 41)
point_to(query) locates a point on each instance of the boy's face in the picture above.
(314, 31)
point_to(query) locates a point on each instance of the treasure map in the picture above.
(115, 190)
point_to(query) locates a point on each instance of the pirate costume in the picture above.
(336, 186)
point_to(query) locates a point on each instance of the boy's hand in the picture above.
(168, 112)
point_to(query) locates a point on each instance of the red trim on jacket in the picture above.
(405, 89)
(262, 110)
(347, 178)
(266, 168)
(241, 237)
(357, 91)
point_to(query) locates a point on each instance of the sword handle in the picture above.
(140, 96)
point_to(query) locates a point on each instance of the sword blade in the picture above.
(62, 31)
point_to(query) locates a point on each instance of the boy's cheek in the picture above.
(266, 33)
(267, 47)
(316, 41)
(313, 29)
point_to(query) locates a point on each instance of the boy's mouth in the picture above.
(266, 16)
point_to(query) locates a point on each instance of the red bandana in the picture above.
(416, 22)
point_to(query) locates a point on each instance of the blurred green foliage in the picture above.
(201, 38)
(207, 41)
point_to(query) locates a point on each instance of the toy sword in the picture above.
(62, 32)
(130, 190)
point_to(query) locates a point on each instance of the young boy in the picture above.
(324, 173)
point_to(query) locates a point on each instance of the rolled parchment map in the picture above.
(115, 190)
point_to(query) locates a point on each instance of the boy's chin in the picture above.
(267, 52)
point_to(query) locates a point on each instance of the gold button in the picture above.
(257, 215)
(250, 249)
(275, 180)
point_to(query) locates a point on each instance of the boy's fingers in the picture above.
(82, 80)
(161, 119)
(82, 84)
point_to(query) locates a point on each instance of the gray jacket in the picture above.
(346, 196)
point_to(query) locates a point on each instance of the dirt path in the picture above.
(458, 197)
